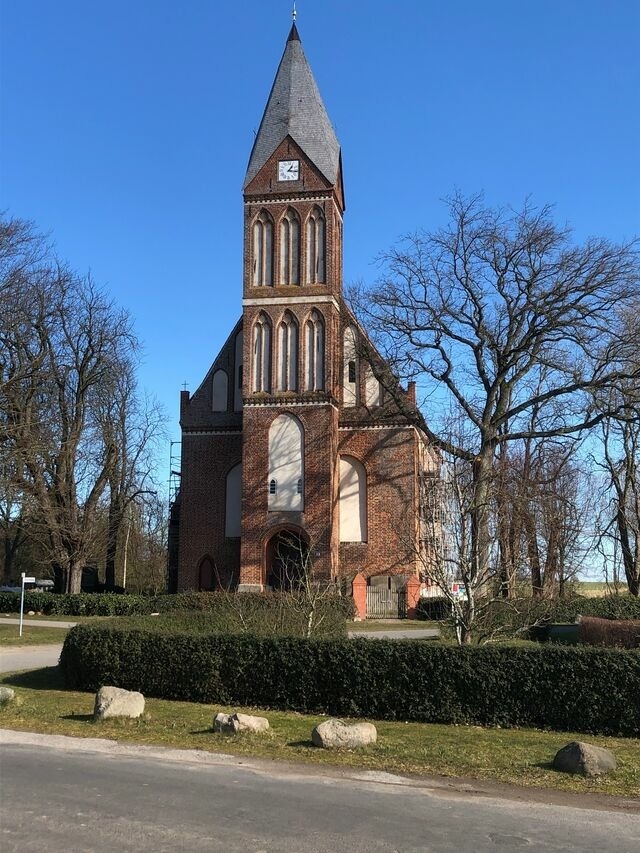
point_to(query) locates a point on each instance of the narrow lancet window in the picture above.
(262, 354)
(290, 249)
(316, 247)
(288, 354)
(314, 353)
(263, 250)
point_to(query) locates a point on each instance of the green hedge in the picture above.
(274, 609)
(80, 604)
(578, 689)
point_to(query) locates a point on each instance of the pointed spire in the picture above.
(295, 109)
(293, 34)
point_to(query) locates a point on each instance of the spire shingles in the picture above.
(295, 109)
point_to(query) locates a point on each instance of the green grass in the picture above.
(516, 756)
(30, 636)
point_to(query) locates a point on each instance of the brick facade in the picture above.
(213, 442)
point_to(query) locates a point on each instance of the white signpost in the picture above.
(25, 580)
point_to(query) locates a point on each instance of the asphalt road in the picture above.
(14, 658)
(72, 798)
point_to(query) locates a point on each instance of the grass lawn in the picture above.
(30, 636)
(517, 756)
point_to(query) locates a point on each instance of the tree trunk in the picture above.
(482, 474)
(74, 579)
(113, 531)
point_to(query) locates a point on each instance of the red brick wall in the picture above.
(206, 460)
(388, 456)
(317, 518)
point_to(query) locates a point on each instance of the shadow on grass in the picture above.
(544, 765)
(47, 678)
(298, 743)
(202, 732)
(78, 718)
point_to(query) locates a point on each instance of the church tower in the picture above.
(292, 457)
(293, 209)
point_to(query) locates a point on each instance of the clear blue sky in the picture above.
(126, 128)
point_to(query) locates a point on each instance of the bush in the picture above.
(624, 634)
(78, 604)
(273, 613)
(433, 608)
(577, 689)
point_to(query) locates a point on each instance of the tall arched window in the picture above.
(233, 503)
(288, 353)
(350, 368)
(238, 371)
(315, 247)
(220, 383)
(263, 250)
(353, 500)
(290, 249)
(285, 481)
(372, 391)
(314, 352)
(262, 354)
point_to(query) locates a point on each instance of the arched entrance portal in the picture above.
(287, 559)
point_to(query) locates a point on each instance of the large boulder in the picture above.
(6, 694)
(116, 702)
(231, 724)
(580, 757)
(334, 734)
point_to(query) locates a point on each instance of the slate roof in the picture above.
(295, 108)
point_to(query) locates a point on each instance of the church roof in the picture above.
(295, 109)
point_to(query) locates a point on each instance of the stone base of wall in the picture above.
(250, 587)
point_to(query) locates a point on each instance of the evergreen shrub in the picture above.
(281, 611)
(563, 688)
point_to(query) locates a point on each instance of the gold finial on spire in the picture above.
(294, 13)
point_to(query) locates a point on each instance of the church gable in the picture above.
(363, 375)
(289, 170)
(218, 400)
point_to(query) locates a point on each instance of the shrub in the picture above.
(579, 689)
(624, 634)
(433, 608)
(275, 613)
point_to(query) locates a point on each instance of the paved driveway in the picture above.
(29, 657)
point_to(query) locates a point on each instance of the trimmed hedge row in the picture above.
(274, 607)
(579, 689)
(512, 616)
(623, 633)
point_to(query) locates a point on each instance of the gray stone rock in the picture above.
(233, 723)
(6, 694)
(580, 757)
(334, 734)
(116, 702)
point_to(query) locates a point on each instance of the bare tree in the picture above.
(131, 426)
(498, 314)
(621, 525)
(61, 343)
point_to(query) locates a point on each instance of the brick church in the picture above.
(290, 450)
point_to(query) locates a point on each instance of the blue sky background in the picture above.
(126, 129)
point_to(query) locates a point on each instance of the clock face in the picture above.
(288, 170)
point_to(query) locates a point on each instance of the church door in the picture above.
(287, 560)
